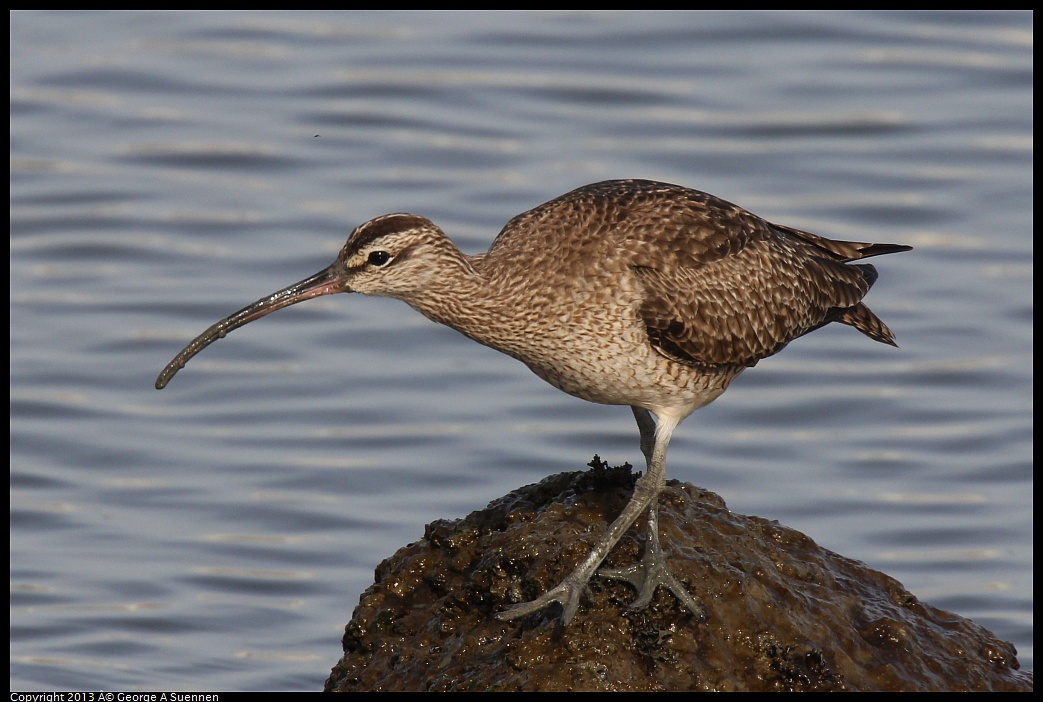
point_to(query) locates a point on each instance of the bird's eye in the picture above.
(378, 258)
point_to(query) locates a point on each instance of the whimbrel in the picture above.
(625, 292)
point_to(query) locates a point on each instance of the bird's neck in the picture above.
(464, 297)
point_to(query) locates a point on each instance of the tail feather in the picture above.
(858, 316)
(867, 250)
(844, 250)
(862, 318)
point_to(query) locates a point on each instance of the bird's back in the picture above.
(710, 283)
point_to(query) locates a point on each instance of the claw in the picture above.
(652, 572)
(567, 594)
(646, 578)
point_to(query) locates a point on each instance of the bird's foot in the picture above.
(650, 573)
(567, 594)
(645, 576)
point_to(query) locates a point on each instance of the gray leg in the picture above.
(652, 571)
(646, 426)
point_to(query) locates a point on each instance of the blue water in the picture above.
(169, 168)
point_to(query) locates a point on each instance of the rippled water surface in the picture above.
(169, 168)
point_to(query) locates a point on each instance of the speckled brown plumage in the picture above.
(718, 286)
(625, 292)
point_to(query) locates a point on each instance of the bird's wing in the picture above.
(733, 290)
(719, 285)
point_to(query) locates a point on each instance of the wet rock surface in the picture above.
(784, 614)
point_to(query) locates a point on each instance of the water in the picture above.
(169, 168)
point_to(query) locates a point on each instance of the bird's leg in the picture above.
(652, 571)
(568, 591)
(646, 426)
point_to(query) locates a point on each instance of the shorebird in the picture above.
(624, 292)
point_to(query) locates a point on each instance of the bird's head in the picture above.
(397, 255)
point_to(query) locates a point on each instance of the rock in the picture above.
(784, 614)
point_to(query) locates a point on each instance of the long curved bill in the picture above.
(324, 282)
